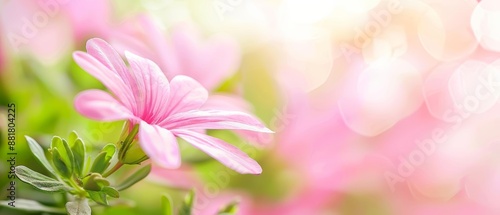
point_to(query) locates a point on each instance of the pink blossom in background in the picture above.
(182, 51)
(165, 110)
(343, 163)
(415, 109)
(47, 40)
(89, 18)
(443, 140)
(50, 29)
(184, 177)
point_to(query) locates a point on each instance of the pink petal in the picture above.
(210, 62)
(110, 79)
(99, 105)
(215, 119)
(157, 41)
(105, 54)
(82, 13)
(150, 88)
(131, 37)
(124, 41)
(236, 103)
(184, 177)
(186, 45)
(160, 145)
(186, 94)
(227, 154)
(221, 60)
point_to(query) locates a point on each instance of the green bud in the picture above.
(133, 154)
(94, 182)
(130, 151)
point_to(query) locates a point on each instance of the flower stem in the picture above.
(74, 184)
(117, 166)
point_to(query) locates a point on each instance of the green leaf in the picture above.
(102, 162)
(78, 149)
(56, 142)
(31, 206)
(166, 205)
(109, 149)
(59, 164)
(87, 166)
(68, 154)
(230, 209)
(102, 182)
(134, 178)
(98, 197)
(80, 207)
(37, 150)
(64, 152)
(187, 205)
(40, 181)
(111, 192)
(73, 136)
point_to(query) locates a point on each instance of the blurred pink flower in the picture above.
(164, 110)
(88, 18)
(208, 61)
(335, 163)
(49, 29)
(463, 95)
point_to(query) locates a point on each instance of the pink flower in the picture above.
(184, 52)
(49, 30)
(164, 110)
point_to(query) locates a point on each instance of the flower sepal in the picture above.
(130, 151)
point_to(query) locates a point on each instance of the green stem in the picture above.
(114, 169)
(74, 184)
